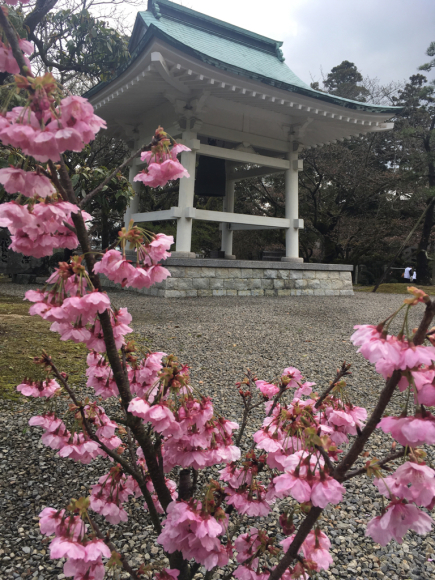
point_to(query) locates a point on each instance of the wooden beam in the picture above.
(243, 157)
(157, 216)
(162, 68)
(228, 134)
(234, 175)
(235, 218)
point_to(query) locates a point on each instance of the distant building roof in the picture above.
(224, 46)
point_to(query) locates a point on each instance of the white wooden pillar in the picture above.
(227, 234)
(292, 209)
(133, 207)
(185, 200)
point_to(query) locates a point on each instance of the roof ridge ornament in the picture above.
(155, 8)
(278, 52)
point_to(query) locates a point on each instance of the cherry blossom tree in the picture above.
(166, 431)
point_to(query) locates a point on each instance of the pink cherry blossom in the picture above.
(248, 573)
(26, 46)
(80, 449)
(410, 431)
(39, 389)
(247, 544)
(195, 533)
(294, 375)
(95, 550)
(38, 231)
(315, 547)
(156, 250)
(15, 2)
(109, 495)
(236, 477)
(289, 484)
(13, 179)
(245, 503)
(396, 521)
(411, 481)
(50, 520)
(325, 491)
(7, 60)
(84, 570)
(162, 166)
(268, 390)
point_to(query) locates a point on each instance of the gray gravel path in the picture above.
(218, 338)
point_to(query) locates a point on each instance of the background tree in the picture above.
(81, 43)
(345, 81)
(416, 152)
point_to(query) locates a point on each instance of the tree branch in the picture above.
(97, 190)
(340, 373)
(379, 463)
(354, 452)
(42, 8)
(118, 458)
(11, 35)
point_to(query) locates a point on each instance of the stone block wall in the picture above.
(237, 278)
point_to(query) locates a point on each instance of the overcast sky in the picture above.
(386, 39)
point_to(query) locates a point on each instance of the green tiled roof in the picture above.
(227, 47)
(224, 46)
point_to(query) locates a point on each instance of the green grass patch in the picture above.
(22, 337)
(396, 288)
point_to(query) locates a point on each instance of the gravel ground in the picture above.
(218, 338)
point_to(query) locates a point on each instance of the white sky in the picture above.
(386, 39)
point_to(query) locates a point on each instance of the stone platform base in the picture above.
(199, 277)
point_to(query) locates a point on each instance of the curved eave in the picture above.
(154, 32)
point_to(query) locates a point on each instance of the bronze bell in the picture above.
(210, 177)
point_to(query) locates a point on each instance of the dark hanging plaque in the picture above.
(210, 177)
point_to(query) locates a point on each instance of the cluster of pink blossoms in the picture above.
(162, 162)
(74, 311)
(306, 480)
(109, 494)
(291, 379)
(83, 553)
(192, 436)
(195, 532)
(38, 389)
(315, 548)
(78, 446)
(28, 183)
(37, 229)
(147, 271)
(249, 546)
(7, 60)
(143, 375)
(416, 364)
(44, 132)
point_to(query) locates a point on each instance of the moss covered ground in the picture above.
(394, 289)
(22, 337)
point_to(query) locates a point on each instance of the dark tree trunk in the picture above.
(424, 274)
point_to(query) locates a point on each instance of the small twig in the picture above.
(325, 457)
(340, 373)
(105, 181)
(379, 463)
